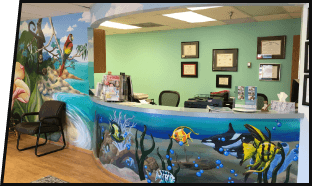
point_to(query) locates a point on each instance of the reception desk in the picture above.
(177, 144)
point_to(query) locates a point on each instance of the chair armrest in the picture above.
(29, 113)
(48, 117)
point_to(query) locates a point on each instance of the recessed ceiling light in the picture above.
(202, 7)
(118, 25)
(190, 17)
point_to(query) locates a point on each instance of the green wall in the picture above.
(153, 59)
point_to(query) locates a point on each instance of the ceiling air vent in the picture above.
(148, 24)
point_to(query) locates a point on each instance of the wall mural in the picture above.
(51, 58)
(144, 147)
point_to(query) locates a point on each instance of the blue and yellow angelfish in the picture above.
(262, 149)
(115, 132)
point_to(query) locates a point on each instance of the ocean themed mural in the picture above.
(219, 152)
(52, 58)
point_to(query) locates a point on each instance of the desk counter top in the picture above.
(194, 112)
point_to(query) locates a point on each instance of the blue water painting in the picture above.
(163, 125)
(81, 71)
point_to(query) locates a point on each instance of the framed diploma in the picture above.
(269, 72)
(223, 81)
(306, 58)
(305, 97)
(271, 47)
(189, 69)
(190, 49)
(225, 60)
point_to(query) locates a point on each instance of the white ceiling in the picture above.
(41, 10)
(241, 14)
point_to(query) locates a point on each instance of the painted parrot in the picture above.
(68, 47)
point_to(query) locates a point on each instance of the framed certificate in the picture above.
(225, 60)
(271, 47)
(306, 58)
(270, 72)
(189, 69)
(223, 81)
(190, 49)
(305, 97)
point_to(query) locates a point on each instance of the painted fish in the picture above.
(164, 176)
(262, 149)
(115, 132)
(179, 135)
(229, 140)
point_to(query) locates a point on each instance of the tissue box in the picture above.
(283, 106)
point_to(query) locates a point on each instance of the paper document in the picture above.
(143, 101)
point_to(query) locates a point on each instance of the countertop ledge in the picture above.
(194, 112)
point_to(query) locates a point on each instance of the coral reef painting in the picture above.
(213, 156)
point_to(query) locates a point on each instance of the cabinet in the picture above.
(99, 47)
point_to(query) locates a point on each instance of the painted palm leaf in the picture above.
(34, 103)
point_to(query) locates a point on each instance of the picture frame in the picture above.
(190, 49)
(306, 58)
(223, 81)
(269, 72)
(225, 59)
(189, 69)
(305, 97)
(271, 47)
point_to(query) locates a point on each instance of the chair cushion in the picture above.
(33, 128)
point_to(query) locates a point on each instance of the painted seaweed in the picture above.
(140, 161)
(170, 167)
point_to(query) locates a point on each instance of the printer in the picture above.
(215, 99)
(224, 96)
(202, 100)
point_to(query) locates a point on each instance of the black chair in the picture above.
(52, 115)
(260, 99)
(169, 98)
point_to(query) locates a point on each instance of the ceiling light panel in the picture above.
(118, 25)
(202, 7)
(190, 17)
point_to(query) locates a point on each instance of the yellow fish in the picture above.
(262, 149)
(115, 132)
(179, 135)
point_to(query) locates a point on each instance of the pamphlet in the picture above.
(111, 87)
(246, 97)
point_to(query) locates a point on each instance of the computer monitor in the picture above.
(295, 91)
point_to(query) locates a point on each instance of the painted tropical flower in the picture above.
(21, 91)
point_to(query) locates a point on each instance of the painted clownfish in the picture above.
(115, 132)
(179, 135)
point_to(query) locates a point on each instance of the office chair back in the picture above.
(169, 98)
(260, 99)
(53, 108)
